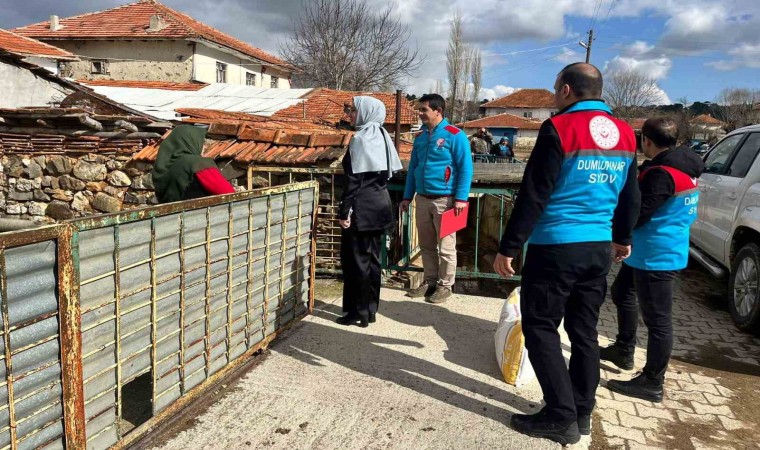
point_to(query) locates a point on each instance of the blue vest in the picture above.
(598, 151)
(663, 242)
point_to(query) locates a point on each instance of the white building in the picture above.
(149, 41)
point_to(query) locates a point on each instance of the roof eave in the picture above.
(239, 54)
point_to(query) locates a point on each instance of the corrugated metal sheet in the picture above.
(162, 103)
(30, 339)
(178, 292)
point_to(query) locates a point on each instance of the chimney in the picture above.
(55, 23)
(156, 23)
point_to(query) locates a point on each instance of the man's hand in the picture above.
(345, 224)
(620, 252)
(405, 205)
(459, 207)
(503, 265)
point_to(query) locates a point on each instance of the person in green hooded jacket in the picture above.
(181, 173)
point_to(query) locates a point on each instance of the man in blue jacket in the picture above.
(440, 173)
(668, 184)
(578, 202)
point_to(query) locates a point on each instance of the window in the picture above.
(250, 79)
(99, 66)
(744, 157)
(275, 81)
(528, 115)
(221, 72)
(718, 157)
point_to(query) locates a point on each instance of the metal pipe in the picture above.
(397, 137)
(16, 224)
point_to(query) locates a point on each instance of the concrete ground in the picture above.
(425, 377)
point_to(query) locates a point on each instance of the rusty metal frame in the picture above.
(66, 237)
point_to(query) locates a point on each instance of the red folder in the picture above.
(451, 222)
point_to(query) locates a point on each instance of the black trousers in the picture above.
(654, 289)
(360, 259)
(567, 282)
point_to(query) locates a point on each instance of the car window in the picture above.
(718, 157)
(744, 157)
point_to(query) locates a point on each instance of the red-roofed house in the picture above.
(706, 127)
(326, 106)
(33, 51)
(527, 103)
(149, 41)
(519, 130)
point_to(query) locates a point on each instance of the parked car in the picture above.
(725, 238)
(700, 147)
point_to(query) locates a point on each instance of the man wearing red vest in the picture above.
(668, 184)
(578, 196)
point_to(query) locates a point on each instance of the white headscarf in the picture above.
(371, 147)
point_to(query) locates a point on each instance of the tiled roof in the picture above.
(197, 115)
(23, 46)
(249, 143)
(326, 105)
(132, 21)
(165, 85)
(503, 121)
(524, 98)
(636, 123)
(705, 119)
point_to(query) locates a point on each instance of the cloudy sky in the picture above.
(694, 48)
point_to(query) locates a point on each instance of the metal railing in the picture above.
(180, 293)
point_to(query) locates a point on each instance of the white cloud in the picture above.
(497, 91)
(656, 68)
(568, 56)
(746, 55)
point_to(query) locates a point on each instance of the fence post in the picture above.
(71, 338)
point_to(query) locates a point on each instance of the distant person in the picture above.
(668, 184)
(440, 174)
(181, 173)
(365, 210)
(481, 141)
(503, 149)
(578, 202)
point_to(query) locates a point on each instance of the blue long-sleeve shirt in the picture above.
(441, 163)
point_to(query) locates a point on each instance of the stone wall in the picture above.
(49, 188)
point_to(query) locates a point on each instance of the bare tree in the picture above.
(736, 106)
(627, 91)
(455, 57)
(476, 78)
(346, 44)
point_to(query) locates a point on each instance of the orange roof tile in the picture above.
(165, 85)
(23, 46)
(132, 21)
(524, 98)
(199, 115)
(326, 105)
(706, 119)
(504, 120)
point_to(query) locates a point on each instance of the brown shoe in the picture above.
(425, 290)
(440, 295)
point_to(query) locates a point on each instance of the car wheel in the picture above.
(744, 289)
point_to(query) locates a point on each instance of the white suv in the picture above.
(725, 237)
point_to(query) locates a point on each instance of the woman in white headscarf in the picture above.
(365, 211)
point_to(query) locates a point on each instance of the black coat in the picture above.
(367, 194)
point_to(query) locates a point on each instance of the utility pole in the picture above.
(587, 46)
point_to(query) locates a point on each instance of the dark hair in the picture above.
(434, 101)
(663, 131)
(584, 79)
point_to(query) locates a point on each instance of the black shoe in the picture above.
(372, 318)
(584, 424)
(616, 357)
(639, 387)
(542, 426)
(348, 319)
(440, 295)
(364, 322)
(425, 290)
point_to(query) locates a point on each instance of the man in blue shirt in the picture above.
(440, 173)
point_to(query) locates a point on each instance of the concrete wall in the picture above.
(538, 113)
(205, 68)
(20, 87)
(51, 65)
(131, 60)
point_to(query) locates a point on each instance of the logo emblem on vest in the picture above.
(604, 132)
(440, 142)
